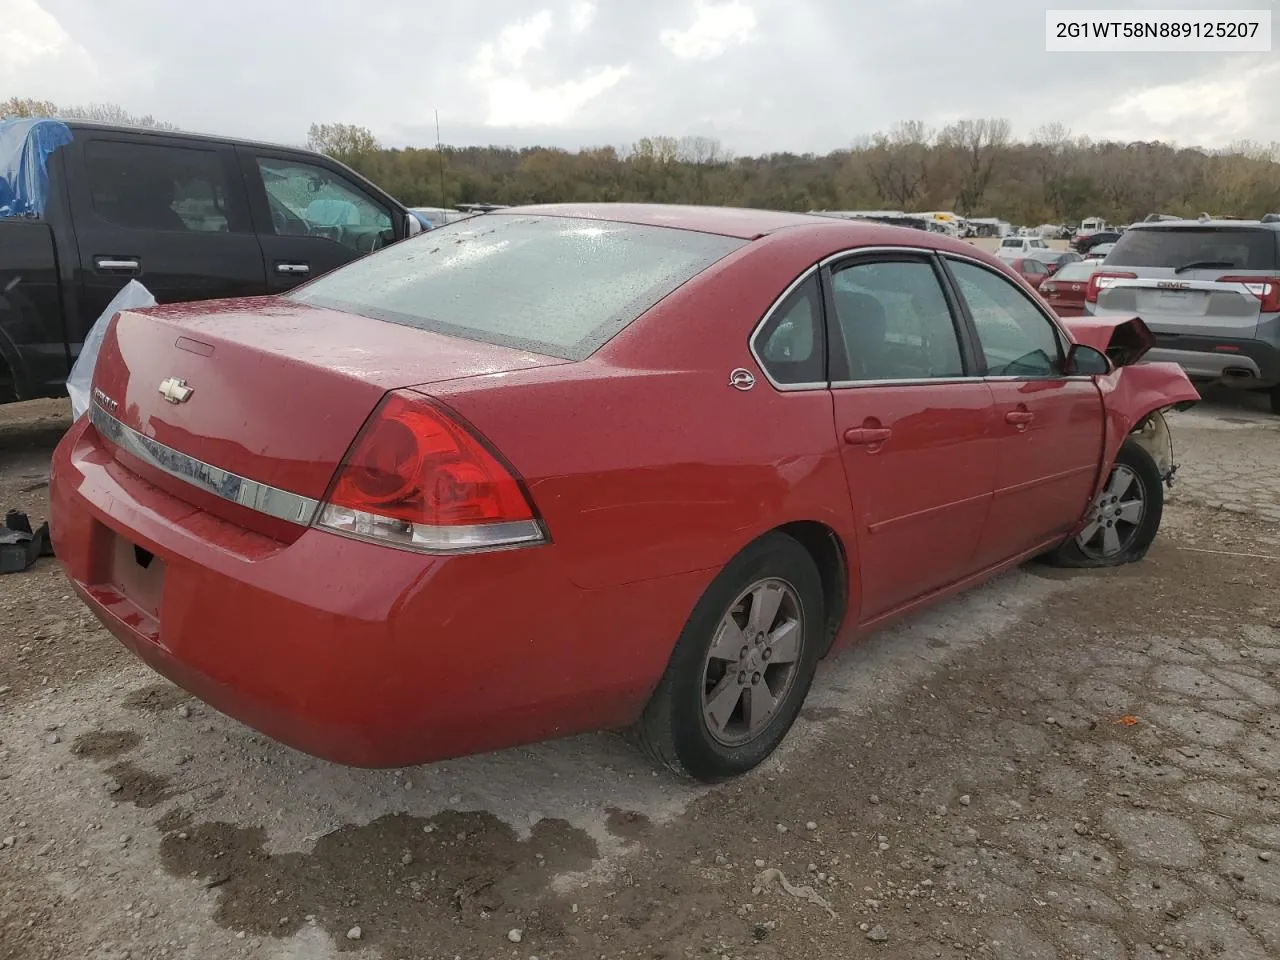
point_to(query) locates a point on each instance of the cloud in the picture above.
(514, 102)
(33, 40)
(715, 28)
(512, 97)
(586, 72)
(1222, 107)
(581, 15)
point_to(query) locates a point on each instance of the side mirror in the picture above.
(1085, 361)
(412, 225)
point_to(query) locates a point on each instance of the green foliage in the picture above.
(972, 167)
(98, 112)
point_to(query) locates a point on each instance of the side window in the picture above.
(1034, 267)
(309, 201)
(791, 343)
(1017, 340)
(895, 322)
(151, 187)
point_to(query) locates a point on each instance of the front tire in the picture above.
(742, 666)
(1275, 400)
(1123, 518)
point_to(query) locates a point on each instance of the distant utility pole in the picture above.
(440, 157)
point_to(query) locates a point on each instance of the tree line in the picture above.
(974, 167)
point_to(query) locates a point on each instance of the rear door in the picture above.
(169, 212)
(1050, 426)
(914, 423)
(1203, 281)
(311, 217)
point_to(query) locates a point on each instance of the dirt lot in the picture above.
(1058, 765)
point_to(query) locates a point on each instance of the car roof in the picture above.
(74, 125)
(1188, 223)
(744, 223)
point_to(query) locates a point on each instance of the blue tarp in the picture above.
(25, 146)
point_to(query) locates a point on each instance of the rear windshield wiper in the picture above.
(1204, 265)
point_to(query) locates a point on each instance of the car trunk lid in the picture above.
(208, 396)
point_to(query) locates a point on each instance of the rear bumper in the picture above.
(357, 653)
(1249, 362)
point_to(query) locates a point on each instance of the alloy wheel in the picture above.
(752, 662)
(1116, 515)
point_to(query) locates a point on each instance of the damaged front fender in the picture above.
(1134, 399)
(1134, 395)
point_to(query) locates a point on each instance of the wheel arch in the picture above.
(829, 554)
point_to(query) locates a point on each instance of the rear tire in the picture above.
(730, 694)
(1125, 516)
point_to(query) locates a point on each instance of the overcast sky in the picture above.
(760, 75)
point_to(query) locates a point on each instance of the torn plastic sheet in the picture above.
(132, 296)
(25, 147)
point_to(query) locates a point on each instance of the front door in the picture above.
(914, 424)
(310, 219)
(168, 212)
(1051, 425)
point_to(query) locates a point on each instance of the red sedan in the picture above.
(559, 469)
(1065, 291)
(1034, 271)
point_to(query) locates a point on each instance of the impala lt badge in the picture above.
(175, 390)
(741, 379)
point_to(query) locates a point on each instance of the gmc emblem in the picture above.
(1173, 285)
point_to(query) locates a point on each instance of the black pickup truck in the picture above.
(190, 217)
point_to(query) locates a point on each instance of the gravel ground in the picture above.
(1057, 765)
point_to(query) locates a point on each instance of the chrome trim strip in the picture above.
(899, 248)
(224, 484)
(858, 251)
(768, 314)
(905, 382)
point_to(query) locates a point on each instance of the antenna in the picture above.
(440, 157)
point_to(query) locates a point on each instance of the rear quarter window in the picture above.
(1241, 249)
(554, 285)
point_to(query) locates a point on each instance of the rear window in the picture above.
(1011, 243)
(553, 285)
(1077, 270)
(1232, 247)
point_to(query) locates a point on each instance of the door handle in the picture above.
(867, 435)
(124, 264)
(293, 269)
(1019, 417)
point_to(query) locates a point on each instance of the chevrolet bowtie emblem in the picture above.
(175, 390)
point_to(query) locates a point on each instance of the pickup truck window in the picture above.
(309, 201)
(152, 187)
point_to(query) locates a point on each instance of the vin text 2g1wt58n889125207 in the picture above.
(559, 469)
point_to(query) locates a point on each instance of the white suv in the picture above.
(1017, 248)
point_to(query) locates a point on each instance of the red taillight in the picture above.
(1100, 281)
(1048, 287)
(1266, 289)
(417, 478)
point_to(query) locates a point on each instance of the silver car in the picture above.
(1208, 289)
